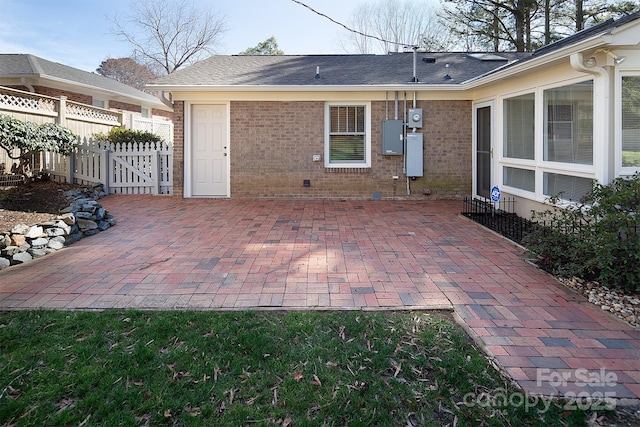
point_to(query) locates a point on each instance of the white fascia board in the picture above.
(131, 99)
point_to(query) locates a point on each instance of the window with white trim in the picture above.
(568, 124)
(566, 187)
(348, 135)
(519, 126)
(631, 122)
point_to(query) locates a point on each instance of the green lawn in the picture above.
(134, 368)
(631, 158)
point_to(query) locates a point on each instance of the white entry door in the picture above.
(209, 151)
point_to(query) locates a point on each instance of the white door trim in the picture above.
(476, 107)
(188, 152)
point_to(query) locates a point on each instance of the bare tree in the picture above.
(497, 23)
(525, 25)
(387, 26)
(127, 71)
(168, 34)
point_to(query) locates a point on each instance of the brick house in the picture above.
(37, 75)
(412, 125)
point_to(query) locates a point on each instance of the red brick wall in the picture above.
(162, 113)
(117, 105)
(71, 96)
(178, 148)
(272, 144)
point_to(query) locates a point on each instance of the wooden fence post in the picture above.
(72, 164)
(155, 172)
(104, 169)
(62, 111)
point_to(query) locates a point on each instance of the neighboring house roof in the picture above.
(337, 70)
(594, 31)
(434, 70)
(18, 66)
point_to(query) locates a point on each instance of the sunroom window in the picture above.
(519, 126)
(348, 129)
(523, 179)
(631, 121)
(566, 187)
(568, 124)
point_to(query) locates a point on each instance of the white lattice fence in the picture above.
(162, 128)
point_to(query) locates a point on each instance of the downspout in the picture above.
(24, 83)
(165, 97)
(601, 128)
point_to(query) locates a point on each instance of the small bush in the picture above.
(28, 137)
(598, 239)
(120, 136)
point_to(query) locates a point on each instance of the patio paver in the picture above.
(219, 254)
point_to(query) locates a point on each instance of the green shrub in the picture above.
(28, 137)
(120, 136)
(597, 239)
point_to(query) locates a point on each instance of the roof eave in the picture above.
(602, 39)
(114, 93)
(304, 88)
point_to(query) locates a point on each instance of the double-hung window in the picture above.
(347, 135)
(568, 121)
(631, 123)
(519, 142)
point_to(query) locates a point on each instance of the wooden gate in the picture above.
(145, 168)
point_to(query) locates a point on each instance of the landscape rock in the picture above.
(17, 240)
(624, 306)
(86, 224)
(83, 217)
(68, 218)
(21, 257)
(56, 243)
(34, 232)
(20, 229)
(37, 252)
(40, 242)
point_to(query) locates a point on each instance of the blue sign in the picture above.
(495, 194)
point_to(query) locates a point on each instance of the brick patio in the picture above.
(172, 253)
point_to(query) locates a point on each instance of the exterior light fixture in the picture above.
(590, 62)
(617, 60)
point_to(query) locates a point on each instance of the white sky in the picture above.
(78, 33)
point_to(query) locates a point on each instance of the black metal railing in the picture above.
(499, 217)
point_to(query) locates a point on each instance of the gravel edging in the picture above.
(623, 305)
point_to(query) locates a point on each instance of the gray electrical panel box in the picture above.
(414, 155)
(415, 118)
(392, 137)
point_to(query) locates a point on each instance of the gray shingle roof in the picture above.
(349, 70)
(26, 65)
